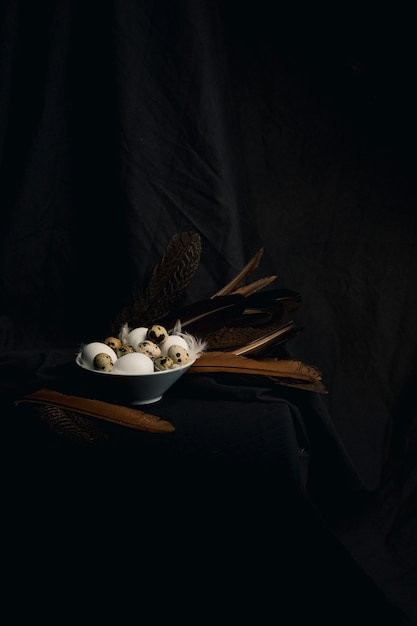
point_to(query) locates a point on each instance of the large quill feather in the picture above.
(169, 279)
(118, 414)
(172, 275)
(287, 372)
(254, 323)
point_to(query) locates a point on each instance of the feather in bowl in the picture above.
(138, 374)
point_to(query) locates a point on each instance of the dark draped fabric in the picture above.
(125, 122)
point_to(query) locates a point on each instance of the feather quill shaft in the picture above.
(251, 266)
(255, 286)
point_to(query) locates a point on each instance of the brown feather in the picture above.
(255, 286)
(283, 371)
(172, 275)
(269, 340)
(205, 316)
(169, 279)
(237, 280)
(118, 414)
(251, 337)
(70, 424)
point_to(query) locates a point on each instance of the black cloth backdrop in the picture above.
(124, 122)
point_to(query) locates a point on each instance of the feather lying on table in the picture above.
(169, 280)
(115, 413)
(288, 372)
(70, 424)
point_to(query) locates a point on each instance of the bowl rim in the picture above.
(176, 368)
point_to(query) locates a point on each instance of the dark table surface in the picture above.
(231, 513)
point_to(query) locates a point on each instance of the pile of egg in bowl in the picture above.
(146, 361)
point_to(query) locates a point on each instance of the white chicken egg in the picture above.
(136, 336)
(90, 350)
(133, 364)
(173, 340)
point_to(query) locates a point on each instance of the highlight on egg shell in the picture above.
(90, 350)
(136, 336)
(133, 364)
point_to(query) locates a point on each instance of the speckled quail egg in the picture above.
(113, 342)
(178, 354)
(90, 350)
(157, 334)
(149, 348)
(162, 363)
(173, 340)
(136, 335)
(133, 363)
(103, 362)
(124, 349)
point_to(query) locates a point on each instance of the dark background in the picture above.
(122, 123)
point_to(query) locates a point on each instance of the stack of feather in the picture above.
(241, 325)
